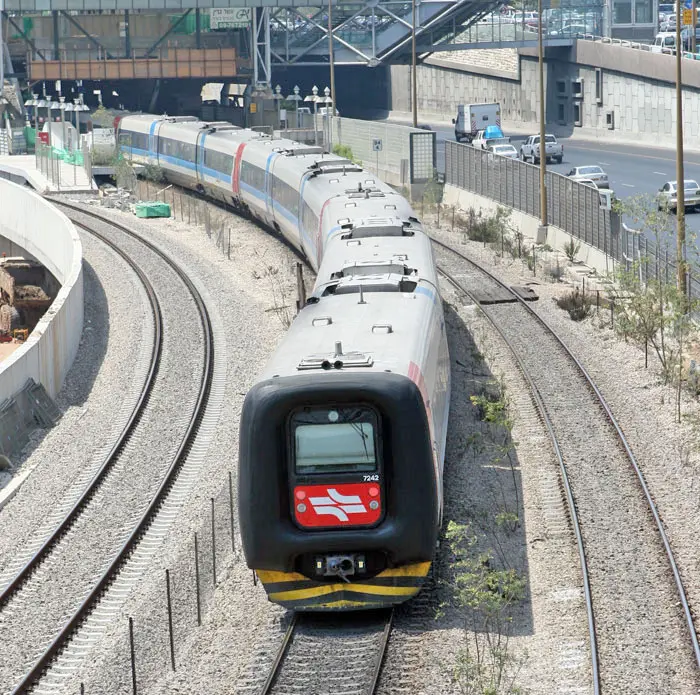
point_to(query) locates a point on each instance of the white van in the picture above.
(665, 42)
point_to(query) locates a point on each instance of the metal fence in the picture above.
(571, 206)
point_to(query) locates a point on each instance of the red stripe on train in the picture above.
(237, 169)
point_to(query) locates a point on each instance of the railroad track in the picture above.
(642, 636)
(152, 523)
(330, 653)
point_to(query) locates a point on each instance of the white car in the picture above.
(668, 195)
(590, 173)
(505, 151)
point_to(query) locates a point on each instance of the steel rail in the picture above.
(296, 621)
(281, 654)
(565, 478)
(44, 661)
(623, 440)
(112, 457)
(374, 685)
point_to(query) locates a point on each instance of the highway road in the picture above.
(632, 170)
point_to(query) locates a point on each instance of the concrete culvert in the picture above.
(5, 463)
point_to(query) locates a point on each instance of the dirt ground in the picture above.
(6, 349)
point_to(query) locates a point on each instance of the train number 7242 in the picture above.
(371, 478)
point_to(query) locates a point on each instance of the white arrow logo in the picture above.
(338, 505)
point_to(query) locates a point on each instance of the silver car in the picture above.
(668, 195)
(505, 151)
(592, 173)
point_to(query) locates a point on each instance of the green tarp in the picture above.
(152, 209)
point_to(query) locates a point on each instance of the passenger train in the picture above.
(342, 438)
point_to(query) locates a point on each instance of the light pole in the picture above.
(62, 102)
(680, 175)
(313, 97)
(414, 89)
(330, 56)
(277, 96)
(296, 99)
(543, 149)
(329, 106)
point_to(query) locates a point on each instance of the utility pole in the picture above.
(2, 53)
(331, 113)
(680, 175)
(693, 11)
(414, 90)
(543, 149)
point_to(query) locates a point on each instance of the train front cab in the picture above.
(337, 489)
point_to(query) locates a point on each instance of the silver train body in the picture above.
(352, 408)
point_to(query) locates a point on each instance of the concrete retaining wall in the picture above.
(30, 222)
(529, 226)
(636, 87)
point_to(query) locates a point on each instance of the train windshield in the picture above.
(329, 440)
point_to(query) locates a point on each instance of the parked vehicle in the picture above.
(669, 23)
(505, 151)
(530, 149)
(665, 9)
(591, 172)
(474, 117)
(487, 138)
(668, 195)
(664, 42)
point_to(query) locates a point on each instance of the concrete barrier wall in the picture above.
(392, 163)
(32, 223)
(529, 226)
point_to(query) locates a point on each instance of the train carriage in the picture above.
(342, 438)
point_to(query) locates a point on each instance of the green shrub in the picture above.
(576, 303)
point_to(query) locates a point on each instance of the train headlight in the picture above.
(301, 508)
(374, 505)
(333, 416)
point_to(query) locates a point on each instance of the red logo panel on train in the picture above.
(337, 505)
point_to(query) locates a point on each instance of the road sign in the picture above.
(376, 144)
(688, 17)
(688, 4)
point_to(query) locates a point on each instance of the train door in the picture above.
(153, 142)
(200, 158)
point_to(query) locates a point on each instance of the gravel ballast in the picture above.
(238, 622)
(116, 334)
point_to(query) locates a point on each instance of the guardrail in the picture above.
(636, 45)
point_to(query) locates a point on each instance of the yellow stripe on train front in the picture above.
(313, 592)
(273, 577)
(420, 569)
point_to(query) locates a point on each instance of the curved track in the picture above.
(516, 319)
(331, 653)
(147, 518)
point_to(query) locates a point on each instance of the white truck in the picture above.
(530, 149)
(471, 118)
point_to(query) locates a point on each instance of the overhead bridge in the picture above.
(161, 39)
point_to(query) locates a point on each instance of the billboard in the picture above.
(230, 18)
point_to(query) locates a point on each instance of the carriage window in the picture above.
(331, 440)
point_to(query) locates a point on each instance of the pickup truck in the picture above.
(530, 149)
(487, 138)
